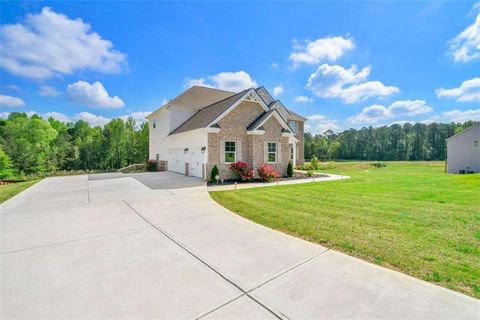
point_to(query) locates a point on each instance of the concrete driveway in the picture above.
(74, 247)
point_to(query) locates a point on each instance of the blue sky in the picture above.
(342, 64)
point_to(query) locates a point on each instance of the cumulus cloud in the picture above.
(277, 91)
(9, 101)
(350, 85)
(139, 116)
(229, 81)
(458, 116)
(323, 49)
(469, 91)
(56, 115)
(47, 43)
(303, 99)
(93, 95)
(466, 45)
(92, 119)
(402, 108)
(318, 124)
(48, 91)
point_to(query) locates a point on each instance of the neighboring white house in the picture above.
(463, 151)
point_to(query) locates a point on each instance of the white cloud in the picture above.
(318, 124)
(350, 85)
(56, 115)
(92, 119)
(139, 116)
(401, 108)
(469, 91)
(275, 65)
(4, 115)
(457, 116)
(229, 81)
(13, 87)
(466, 46)
(303, 99)
(48, 91)
(323, 49)
(46, 44)
(9, 101)
(93, 95)
(277, 91)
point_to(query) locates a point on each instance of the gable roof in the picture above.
(258, 123)
(209, 113)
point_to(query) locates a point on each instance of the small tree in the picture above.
(214, 173)
(314, 162)
(290, 169)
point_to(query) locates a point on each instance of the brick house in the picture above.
(203, 127)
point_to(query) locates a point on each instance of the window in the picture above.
(291, 153)
(272, 152)
(230, 153)
(293, 125)
(154, 123)
(476, 144)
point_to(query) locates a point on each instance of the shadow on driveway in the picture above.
(154, 180)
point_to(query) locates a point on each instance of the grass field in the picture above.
(407, 216)
(9, 190)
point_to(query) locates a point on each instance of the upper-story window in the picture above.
(230, 151)
(293, 125)
(154, 123)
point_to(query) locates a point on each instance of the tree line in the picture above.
(408, 142)
(33, 145)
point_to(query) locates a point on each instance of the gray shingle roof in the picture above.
(207, 114)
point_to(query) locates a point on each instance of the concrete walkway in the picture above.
(78, 248)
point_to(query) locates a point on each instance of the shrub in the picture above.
(151, 165)
(310, 173)
(314, 162)
(214, 173)
(290, 169)
(268, 172)
(243, 170)
(379, 164)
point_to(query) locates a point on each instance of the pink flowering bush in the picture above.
(243, 170)
(268, 172)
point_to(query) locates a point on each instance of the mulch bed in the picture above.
(296, 176)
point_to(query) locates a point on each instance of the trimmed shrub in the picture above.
(290, 169)
(268, 172)
(314, 162)
(151, 165)
(243, 170)
(310, 173)
(214, 173)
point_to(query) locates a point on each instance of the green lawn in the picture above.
(407, 216)
(9, 190)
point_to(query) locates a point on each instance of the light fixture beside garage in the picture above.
(185, 150)
(203, 149)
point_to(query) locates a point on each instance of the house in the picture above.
(463, 151)
(203, 127)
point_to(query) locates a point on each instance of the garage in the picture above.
(176, 160)
(196, 162)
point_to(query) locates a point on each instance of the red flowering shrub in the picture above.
(243, 170)
(268, 172)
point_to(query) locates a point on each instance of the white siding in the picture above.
(461, 153)
(157, 136)
(194, 140)
(179, 115)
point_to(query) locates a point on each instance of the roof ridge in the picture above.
(211, 88)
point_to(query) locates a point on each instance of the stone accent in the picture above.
(187, 168)
(250, 148)
(162, 165)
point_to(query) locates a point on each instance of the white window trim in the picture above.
(276, 152)
(234, 152)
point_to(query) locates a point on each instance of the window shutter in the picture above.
(222, 151)
(238, 149)
(265, 152)
(279, 152)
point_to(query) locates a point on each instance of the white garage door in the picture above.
(176, 160)
(196, 163)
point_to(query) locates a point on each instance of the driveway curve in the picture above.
(112, 247)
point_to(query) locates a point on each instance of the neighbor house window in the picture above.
(293, 125)
(154, 123)
(230, 153)
(476, 144)
(272, 152)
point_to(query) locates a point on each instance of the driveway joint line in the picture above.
(201, 260)
(202, 315)
(88, 191)
(72, 240)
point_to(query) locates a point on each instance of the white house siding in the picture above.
(179, 115)
(461, 152)
(194, 141)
